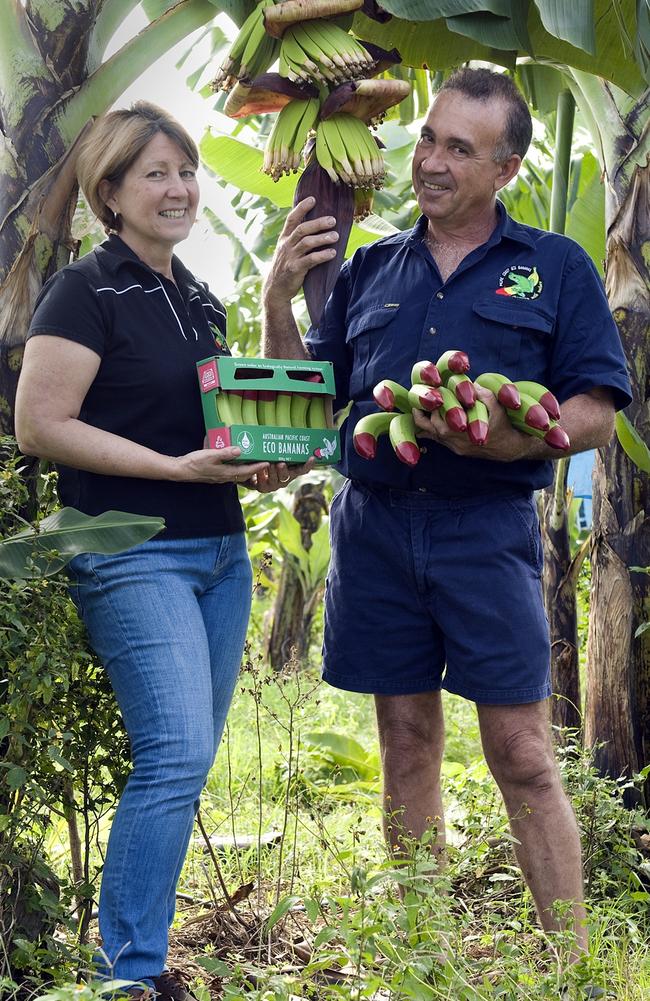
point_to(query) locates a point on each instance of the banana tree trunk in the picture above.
(617, 719)
(560, 578)
(293, 611)
(52, 83)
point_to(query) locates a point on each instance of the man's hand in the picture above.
(504, 443)
(302, 245)
(278, 474)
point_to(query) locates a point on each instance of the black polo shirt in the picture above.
(149, 333)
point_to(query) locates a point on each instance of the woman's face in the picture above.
(157, 198)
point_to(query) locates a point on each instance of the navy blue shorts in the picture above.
(425, 592)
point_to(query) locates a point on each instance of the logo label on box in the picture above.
(208, 376)
(245, 442)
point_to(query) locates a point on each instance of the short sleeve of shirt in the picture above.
(68, 306)
(587, 348)
(327, 342)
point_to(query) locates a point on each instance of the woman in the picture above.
(109, 392)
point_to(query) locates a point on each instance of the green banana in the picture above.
(299, 407)
(463, 389)
(390, 395)
(425, 372)
(266, 407)
(283, 409)
(531, 413)
(478, 418)
(425, 398)
(316, 416)
(555, 436)
(251, 53)
(454, 415)
(543, 396)
(249, 406)
(452, 363)
(367, 430)
(505, 391)
(401, 432)
(229, 406)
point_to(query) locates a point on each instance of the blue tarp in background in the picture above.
(579, 479)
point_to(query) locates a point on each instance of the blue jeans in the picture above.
(168, 620)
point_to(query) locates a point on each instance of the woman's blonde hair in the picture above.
(115, 142)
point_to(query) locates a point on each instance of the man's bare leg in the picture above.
(411, 739)
(518, 749)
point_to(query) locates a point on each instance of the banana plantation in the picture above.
(288, 889)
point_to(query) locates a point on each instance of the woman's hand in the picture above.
(215, 465)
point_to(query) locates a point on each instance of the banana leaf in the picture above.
(68, 532)
(632, 443)
(592, 35)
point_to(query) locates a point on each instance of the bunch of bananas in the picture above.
(347, 151)
(319, 50)
(445, 386)
(271, 408)
(251, 53)
(283, 151)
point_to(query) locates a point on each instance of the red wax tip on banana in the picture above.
(466, 393)
(264, 395)
(365, 445)
(384, 397)
(458, 362)
(508, 396)
(557, 438)
(477, 432)
(431, 399)
(550, 404)
(456, 419)
(537, 417)
(249, 394)
(408, 453)
(430, 375)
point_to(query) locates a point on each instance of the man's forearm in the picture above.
(588, 419)
(280, 335)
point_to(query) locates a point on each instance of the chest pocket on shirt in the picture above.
(517, 337)
(369, 339)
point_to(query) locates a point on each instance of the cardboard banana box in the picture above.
(272, 408)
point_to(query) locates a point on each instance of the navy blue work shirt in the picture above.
(527, 303)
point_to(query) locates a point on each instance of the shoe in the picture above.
(170, 986)
(590, 992)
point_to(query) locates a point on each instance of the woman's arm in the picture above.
(55, 378)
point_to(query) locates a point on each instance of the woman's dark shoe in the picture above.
(170, 986)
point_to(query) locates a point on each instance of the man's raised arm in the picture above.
(297, 251)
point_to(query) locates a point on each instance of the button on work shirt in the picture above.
(527, 303)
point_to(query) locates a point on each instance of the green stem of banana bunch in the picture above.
(559, 493)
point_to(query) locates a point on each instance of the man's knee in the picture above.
(524, 759)
(407, 747)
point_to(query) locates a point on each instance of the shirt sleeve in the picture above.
(327, 342)
(68, 306)
(587, 352)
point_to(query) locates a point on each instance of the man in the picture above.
(435, 573)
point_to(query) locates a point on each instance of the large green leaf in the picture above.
(573, 22)
(506, 32)
(68, 532)
(586, 216)
(432, 44)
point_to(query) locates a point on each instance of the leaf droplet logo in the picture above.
(245, 442)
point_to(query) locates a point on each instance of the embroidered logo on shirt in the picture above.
(520, 282)
(219, 338)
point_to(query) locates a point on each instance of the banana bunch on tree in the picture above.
(327, 95)
(445, 386)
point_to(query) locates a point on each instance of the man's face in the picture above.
(455, 177)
